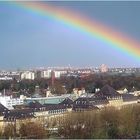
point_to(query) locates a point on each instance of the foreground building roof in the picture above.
(107, 91)
(129, 97)
(3, 110)
(18, 114)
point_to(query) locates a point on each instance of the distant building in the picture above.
(79, 92)
(48, 93)
(28, 75)
(9, 75)
(123, 91)
(4, 78)
(104, 68)
(46, 74)
(37, 93)
(84, 71)
(59, 73)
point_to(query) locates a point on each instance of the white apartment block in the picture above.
(28, 75)
(58, 73)
(46, 74)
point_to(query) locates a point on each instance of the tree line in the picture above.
(24, 130)
(66, 84)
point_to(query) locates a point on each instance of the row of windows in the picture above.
(57, 111)
(81, 102)
(80, 109)
(66, 105)
(43, 108)
(115, 97)
(98, 101)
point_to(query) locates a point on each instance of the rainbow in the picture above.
(117, 40)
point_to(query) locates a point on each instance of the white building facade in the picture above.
(46, 74)
(9, 102)
(58, 73)
(28, 75)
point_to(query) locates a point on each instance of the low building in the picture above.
(9, 101)
(107, 96)
(54, 109)
(114, 98)
(47, 100)
(129, 99)
(17, 116)
(46, 110)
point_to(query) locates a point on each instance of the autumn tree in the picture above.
(31, 130)
(9, 131)
(108, 123)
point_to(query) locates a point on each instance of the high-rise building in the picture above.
(28, 75)
(46, 74)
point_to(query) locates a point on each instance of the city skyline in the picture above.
(30, 39)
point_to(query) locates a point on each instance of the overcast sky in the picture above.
(29, 40)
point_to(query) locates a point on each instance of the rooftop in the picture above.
(107, 91)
